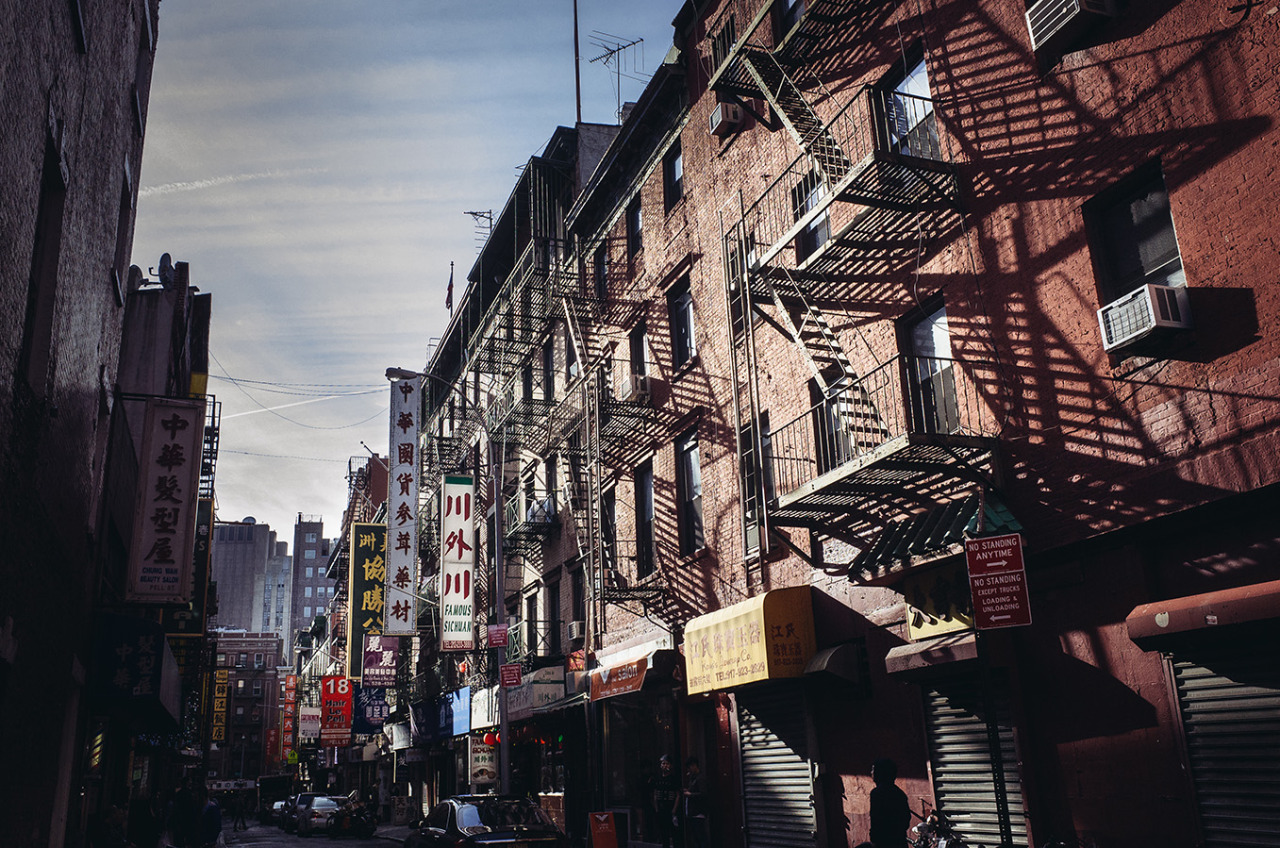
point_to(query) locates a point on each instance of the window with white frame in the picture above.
(680, 309)
(689, 492)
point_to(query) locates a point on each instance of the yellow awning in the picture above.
(766, 637)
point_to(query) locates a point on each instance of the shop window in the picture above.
(680, 309)
(689, 492)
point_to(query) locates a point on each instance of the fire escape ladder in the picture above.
(743, 371)
(788, 101)
(834, 373)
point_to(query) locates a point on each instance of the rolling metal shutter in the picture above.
(963, 773)
(1230, 707)
(777, 780)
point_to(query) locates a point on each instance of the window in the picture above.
(120, 267)
(578, 588)
(638, 344)
(757, 478)
(644, 520)
(549, 370)
(935, 408)
(689, 493)
(570, 355)
(37, 332)
(310, 572)
(680, 307)
(309, 537)
(222, 659)
(910, 127)
(792, 12)
(243, 661)
(722, 43)
(240, 685)
(1131, 235)
(307, 591)
(807, 196)
(553, 617)
(258, 660)
(600, 270)
(531, 623)
(240, 710)
(634, 227)
(306, 612)
(257, 688)
(673, 175)
(309, 554)
(609, 534)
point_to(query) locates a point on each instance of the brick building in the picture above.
(75, 93)
(250, 747)
(856, 282)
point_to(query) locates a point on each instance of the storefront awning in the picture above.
(1151, 622)
(934, 653)
(625, 678)
(766, 637)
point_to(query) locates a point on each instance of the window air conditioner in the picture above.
(725, 118)
(577, 630)
(1145, 310)
(638, 388)
(1047, 18)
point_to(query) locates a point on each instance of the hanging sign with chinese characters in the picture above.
(287, 722)
(457, 566)
(400, 614)
(161, 558)
(380, 654)
(370, 711)
(365, 579)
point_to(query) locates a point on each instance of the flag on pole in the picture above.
(448, 297)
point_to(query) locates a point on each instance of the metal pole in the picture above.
(499, 569)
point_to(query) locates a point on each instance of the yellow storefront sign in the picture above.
(767, 637)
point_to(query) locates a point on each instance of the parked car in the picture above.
(289, 824)
(313, 818)
(487, 820)
(276, 814)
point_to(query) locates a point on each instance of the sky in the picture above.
(314, 162)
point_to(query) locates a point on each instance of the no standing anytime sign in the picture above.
(997, 581)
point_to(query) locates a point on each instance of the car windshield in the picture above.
(504, 813)
(324, 804)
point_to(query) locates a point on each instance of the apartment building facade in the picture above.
(854, 284)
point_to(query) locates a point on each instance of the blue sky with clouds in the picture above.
(313, 162)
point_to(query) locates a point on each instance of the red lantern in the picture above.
(490, 738)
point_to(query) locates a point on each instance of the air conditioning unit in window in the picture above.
(1143, 311)
(725, 118)
(638, 388)
(577, 630)
(1047, 19)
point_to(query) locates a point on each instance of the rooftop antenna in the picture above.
(614, 57)
(484, 226)
(577, 63)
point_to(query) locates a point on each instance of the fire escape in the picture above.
(897, 451)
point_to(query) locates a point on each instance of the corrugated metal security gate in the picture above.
(963, 770)
(1230, 705)
(777, 780)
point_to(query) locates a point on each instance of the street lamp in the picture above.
(495, 470)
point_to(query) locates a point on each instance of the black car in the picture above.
(487, 821)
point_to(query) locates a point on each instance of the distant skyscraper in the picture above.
(240, 553)
(277, 595)
(312, 590)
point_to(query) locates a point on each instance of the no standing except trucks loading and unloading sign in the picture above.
(997, 581)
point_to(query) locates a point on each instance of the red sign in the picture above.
(509, 674)
(335, 710)
(497, 634)
(604, 831)
(998, 581)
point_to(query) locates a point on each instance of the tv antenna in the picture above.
(484, 226)
(617, 52)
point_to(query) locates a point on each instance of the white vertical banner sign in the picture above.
(400, 604)
(457, 565)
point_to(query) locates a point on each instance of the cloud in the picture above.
(214, 182)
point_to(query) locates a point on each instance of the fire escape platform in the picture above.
(904, 473)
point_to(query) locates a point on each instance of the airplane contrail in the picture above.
(295, 403)
(213, 182)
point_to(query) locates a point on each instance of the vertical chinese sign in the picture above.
(221, 689)
(335, 710)
(288, 722)
(368, 574)
(161, 558)
(457, 565)
(400, 612)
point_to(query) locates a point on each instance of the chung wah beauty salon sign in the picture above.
(160, 561)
